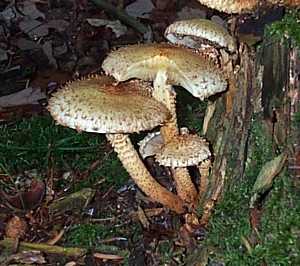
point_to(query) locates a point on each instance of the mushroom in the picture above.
(179, 66)
(96, 104)
(193, 32)
(231, 6)
(183, 150)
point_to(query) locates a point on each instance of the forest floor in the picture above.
(70, 192)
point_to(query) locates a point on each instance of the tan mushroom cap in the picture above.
(191, 31)
(290, 3)
(184, 150)
(192, 71)
(231, 6)
(96, 104)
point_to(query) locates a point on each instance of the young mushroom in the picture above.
(96, 104)
(182, 151)
(193, 33)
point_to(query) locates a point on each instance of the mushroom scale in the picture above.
(183, 67)
(97, 105)
(231, 6)
(192, 32)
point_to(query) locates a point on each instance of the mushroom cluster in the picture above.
(123, 102)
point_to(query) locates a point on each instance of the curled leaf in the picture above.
(266, 176)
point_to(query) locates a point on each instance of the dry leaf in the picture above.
(27, 96)
(266, 176)
(140, 9)
(105, 257)
(16, 228)
(115, 25)
(28, 257)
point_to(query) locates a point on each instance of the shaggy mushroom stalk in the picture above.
(127, 154)
(166, 94)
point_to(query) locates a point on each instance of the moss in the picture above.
(37, 143)
(280, 225)
(287, 28)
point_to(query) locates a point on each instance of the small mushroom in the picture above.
(231, 6)
(194, 32)
(96, 104)
(183, 150)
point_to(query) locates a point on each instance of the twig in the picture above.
(121, 15)
(105, 257)
(65, 251)
(54, 240)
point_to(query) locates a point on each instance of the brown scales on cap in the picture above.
(96, 104)
(231, 6)
(184, 150)
(193, 32)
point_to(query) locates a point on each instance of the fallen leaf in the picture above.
(143, 218)
(266, 177)
(3, 55)
(27, 96)
(115, 25)
(16, 228)
(27, 199)
(28, 257)
(76, 201)
(189, 13)
(30, 10)
(140, 9)
(25, 44)
(34, 28)
(105, 257)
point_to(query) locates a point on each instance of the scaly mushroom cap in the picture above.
(184, 150)
(290, 3)
(183, 67)
(231, 6)
(192, 32)
(96, 104)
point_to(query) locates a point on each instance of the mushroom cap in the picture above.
(231, 6)
(96, 104)
(184, 67)
(188, 32)
(183, 150)
(290, 3)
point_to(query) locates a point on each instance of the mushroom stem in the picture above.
(137, 170)
(165, 94)
(204, 173)
(184, 185)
